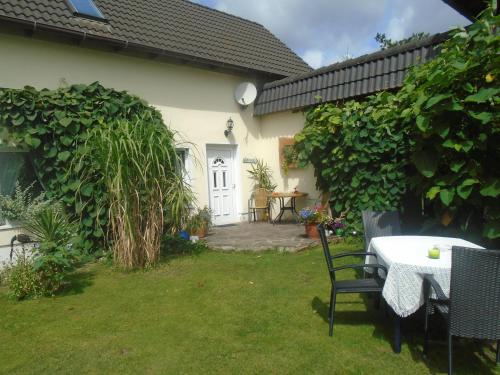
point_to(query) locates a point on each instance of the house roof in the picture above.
(467, 8)
(364, 75)
(176, 28)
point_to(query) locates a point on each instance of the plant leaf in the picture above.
(425, 162)
(491, 188)
(447, 196)
(436, 99)
(64, 155)
(483, 95)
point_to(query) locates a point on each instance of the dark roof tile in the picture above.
(177, 26)
(364, 75)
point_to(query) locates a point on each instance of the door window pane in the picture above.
(215, 179)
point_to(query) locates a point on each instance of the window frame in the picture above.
(76, 13)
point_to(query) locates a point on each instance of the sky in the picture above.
(323, 32)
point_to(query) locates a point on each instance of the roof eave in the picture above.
(121, 44)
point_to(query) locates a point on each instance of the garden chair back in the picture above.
(380, 223)
(259, 201)
(473, 307)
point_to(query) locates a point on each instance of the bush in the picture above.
(45, 270)
(22, 205)
(21, 278)
(175, 245)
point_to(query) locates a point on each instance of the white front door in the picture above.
(222, 184)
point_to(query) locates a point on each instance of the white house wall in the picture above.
(194, 102)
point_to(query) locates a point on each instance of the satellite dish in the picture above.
(245, 93)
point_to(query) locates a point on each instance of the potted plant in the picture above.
(200, 222)
(337, 226)
(261, 174)
(311, 217)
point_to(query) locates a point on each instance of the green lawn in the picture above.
(221, 313)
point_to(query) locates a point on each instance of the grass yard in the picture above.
(216, 313)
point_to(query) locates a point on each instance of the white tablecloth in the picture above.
(406, 258)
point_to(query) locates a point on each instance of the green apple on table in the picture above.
(434, 253)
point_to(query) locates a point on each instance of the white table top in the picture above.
(406, 258)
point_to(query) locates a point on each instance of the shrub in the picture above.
(58, 252)
(175, 245)
(21, 205)
(21, 278)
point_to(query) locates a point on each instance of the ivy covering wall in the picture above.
(52, 124)
(438, 137)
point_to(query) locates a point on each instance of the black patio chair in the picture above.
(380, 223)
(373, 285)
(473, 308)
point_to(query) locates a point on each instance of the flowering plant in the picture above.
(315, 215)
(337, 225)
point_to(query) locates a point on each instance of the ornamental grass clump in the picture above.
(138, 165)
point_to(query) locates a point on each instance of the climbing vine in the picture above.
(52, 125)
(438, 137)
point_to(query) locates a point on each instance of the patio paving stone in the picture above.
(260, 236)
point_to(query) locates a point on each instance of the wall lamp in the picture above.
(229, 126)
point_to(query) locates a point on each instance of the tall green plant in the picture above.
(136, 162)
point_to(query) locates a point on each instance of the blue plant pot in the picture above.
(184, 235)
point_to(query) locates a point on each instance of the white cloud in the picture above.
(314, 58)
(397, 28)
(325, 31)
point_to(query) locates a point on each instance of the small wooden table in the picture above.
(292, 207)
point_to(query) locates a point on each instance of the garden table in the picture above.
(292, 207)
(406, 259)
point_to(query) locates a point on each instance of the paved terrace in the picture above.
(260, 236)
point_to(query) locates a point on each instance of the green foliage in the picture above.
(21, 278)
(53, 124)
(453, 101)
(175, 245)
(358, 160)
(438, 137)
(53, 264)
(136, 163)
(58, 249)
(262, 176)
(50, 224)
(202, 218)
(386, 42)
(22, 205)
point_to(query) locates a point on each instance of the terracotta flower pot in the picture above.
(312, 231)
(201, 232)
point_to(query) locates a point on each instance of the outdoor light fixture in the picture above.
(229, 126)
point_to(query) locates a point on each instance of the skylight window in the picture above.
(87, 9)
